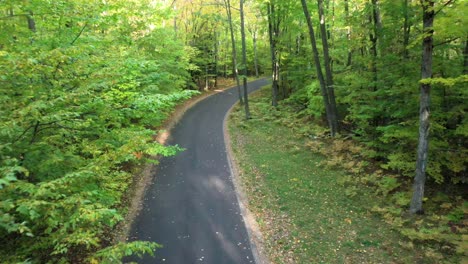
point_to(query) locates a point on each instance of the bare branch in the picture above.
(445, 42)
(444, 5)
(79, 34)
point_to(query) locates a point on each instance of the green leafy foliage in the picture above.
(306, 210)
(79, 94)
(377, 84)
(114, 254)
(384, 196)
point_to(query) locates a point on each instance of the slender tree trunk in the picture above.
(374, 36)
(175, 20)
(274, 59)
(255, 52)
(31, 21)
(376, 16)
(465, 55)
(216, 55)
(298, 45)
(406, 30)
(234, 51)
(416, 205)
(320, 77)
(207, 78)
(244, 61)
(348, 33)
(226, 54)
(328, 70)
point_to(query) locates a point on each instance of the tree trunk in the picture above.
(424, 113)
(298, 45)
(174, 8)
(227, 4)
(244, 61)
(328, 71)
(226, 55)
(465, 55)
(320, 77)
(216, 59)
(406, 30)
(207, 78)
(348, 33)
(255, 52)
(374, 36)
(376, 17)
(31, 22)
(274, 59)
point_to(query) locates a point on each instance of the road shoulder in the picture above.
(253, 229)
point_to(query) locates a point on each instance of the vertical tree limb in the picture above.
(416, 206)
(227, 5)
(244, 61)
(320, 77)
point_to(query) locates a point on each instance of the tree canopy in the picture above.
(83, 84)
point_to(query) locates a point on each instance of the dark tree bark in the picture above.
(244, 61)
(374, 37)
(328, 70)
(272, 34)
(227, 4)
(348, 33)
(320, 77)
(416, 206)
(31, 21)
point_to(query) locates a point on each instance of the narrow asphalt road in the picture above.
(191, 207)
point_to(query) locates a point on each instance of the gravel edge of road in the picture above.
(253, 229)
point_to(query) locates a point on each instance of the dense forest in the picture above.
(85, 83)
(82, 83)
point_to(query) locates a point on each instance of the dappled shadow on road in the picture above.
(191, 207)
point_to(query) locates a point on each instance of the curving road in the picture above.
(191, 207)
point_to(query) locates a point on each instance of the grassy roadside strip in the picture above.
(302, 207)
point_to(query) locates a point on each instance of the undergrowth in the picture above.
(332, 202)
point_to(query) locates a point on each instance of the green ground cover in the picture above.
(302, 207)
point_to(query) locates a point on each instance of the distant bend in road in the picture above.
(191, 206)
